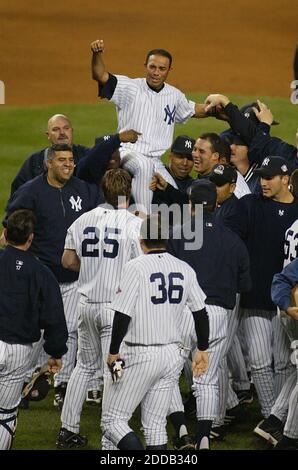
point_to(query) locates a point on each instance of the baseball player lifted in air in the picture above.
(98, 245)
(30, 300)
(151, 107)
(149, 304)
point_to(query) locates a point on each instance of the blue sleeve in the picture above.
(282, 285)
(263, 145)
(107, 90)
(240, 124)
(244, 279)
(52, 318)
(92, 167)
(21, 199)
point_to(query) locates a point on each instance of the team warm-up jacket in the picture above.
(93, 166)
(221, 264)
(168, 197)
(228, 212)
(30, 300)
(258, 139)
(262, 225)
(55, 209)
(283, 283)
(35, 165)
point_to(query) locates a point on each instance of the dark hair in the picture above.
(161, 52)
(58, 148)
(225, 150)
(294, 183)
(116, 183)
(214, 139)
(152, 233)
(20, 224)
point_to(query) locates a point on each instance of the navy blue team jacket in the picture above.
(56, 209)
(221, 264)
(262, 225)
(30, 300)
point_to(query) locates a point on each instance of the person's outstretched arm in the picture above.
(98, 68)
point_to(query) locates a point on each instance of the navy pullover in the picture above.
(262, 225)
(221, 264)
(55, 209)
(30, 300)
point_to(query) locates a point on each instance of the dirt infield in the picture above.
(241, 46)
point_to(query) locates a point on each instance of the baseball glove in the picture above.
(39, 385)
(116, 369)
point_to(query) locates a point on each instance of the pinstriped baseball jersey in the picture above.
(151, 113)
(104, 240)
(291, 243)
(153, 292)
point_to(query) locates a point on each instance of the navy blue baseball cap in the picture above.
(248, 112)
(223, 174)
(273, 166)
(202, 191)
(183, 145)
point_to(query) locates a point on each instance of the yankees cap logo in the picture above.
(219, 170)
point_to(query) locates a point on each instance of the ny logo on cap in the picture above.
(188, 144)
(284, 168)
(219, 170)
(266, 161)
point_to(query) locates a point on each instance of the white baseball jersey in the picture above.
(291, 243)
(152, 113)
(104, 240)
(153, 292)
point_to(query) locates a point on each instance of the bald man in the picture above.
(59, 131)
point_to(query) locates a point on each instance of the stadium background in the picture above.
(243, 46)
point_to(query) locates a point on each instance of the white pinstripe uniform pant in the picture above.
(206, 386)
(268, 344)
(286, 405)
(149, 377)
(94, 337)
(14, 359)
(142, 168)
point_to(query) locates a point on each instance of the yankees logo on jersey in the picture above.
(153, 114)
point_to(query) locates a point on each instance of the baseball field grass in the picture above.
(22, 132)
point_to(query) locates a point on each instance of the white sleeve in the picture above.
(196, 297)
(69, 243)
(125, 91)
(128, 291)
(185, 108)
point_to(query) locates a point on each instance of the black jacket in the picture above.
(30, 300)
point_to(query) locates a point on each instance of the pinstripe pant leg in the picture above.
(237, 366)
(291, 426)
(14, 359)
(89, 355)
(36, 354)
(70, 297)
(281, 405)
(223, 373)
(155, 404)
(283, 367)
(206, 386)
(259, 334)
(142, 169)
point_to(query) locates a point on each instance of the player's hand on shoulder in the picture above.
(97, 46)
(129, 136)
(200, 362)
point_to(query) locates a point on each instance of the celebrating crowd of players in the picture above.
(139, 294)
